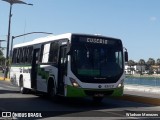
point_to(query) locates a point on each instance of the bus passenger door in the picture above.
(62, 68)
(34, 68)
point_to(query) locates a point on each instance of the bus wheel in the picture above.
(97, 99)
(22, 89)
(51, 90)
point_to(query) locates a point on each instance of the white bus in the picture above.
(70, 65)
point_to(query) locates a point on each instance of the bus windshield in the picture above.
(96, 60)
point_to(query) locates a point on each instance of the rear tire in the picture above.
(51, 90)
(23, 90)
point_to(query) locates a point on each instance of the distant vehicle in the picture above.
(70, 65)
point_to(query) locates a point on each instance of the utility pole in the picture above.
(11, 2)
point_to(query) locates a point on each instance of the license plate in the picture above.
(99, 95)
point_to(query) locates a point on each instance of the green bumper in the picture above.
(80, 92)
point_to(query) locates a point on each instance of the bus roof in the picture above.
(43, 39)
(55, 37)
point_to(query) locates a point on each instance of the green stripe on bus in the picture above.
(79, 92)
(44, 74)
(118, 92)
(75, 92)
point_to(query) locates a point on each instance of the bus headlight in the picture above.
(120, 85)
(74, 82)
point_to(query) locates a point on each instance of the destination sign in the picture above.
(95, 40)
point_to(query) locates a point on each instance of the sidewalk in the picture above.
(2, 77)
(144, 75)
(143, 94)
(142, 89)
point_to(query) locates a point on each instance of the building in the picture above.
(156, 69)
(135, 69)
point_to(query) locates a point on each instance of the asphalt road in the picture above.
(12, 101)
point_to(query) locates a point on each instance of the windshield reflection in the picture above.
(97, 60)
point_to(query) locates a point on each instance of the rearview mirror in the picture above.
(126, 56)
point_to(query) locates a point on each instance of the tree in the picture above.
(1, 53)
(141, 63)
(150, 62)
(2, 58)
(158, 61)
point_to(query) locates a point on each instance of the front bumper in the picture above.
(81, 92)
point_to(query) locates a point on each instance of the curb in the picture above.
(141, 99)
(141, 88)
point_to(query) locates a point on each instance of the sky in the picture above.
(135, 22)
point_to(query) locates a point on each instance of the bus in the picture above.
(70, 65)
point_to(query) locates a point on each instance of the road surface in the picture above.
(63, 108)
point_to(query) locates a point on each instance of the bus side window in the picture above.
(30, 54)
(53, 53)
(46, 53)
(26, 54)
(23, 55)
(20, 55)
(41, 53)
(14, 56)
(37, 56)
(17, 56)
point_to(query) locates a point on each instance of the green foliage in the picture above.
(141, 62)
(158, 61)
(131, 63)
(1, 53)
(2, 58)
